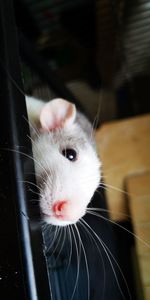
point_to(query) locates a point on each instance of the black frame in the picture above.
(19, 228)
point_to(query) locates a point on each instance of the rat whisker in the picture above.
(85, 257)
(58, 241)
(78, 251)
(108, 186)
(93, 239)
(36, 193)
(70, 254)
(51, 242)
(120, 226)
(111, 256)
(37, 177)
(28, 156)
(31, 183)
(46, 227)
(108, 211)
(63, 230)
(34, 200)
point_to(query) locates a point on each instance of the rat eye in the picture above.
(70, 154)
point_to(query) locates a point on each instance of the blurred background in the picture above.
(98, 49)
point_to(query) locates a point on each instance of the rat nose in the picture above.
(59, 208)
(63, 209)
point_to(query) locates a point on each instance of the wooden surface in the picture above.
(124, 148)
(138, 187)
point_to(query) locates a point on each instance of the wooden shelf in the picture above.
(124, 148)
(138, 187)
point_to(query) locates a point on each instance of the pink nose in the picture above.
(59, 208)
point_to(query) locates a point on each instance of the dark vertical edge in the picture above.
(14, 135)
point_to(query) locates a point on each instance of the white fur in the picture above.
(76, 181)
(34, 107)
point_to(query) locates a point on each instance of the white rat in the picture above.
(66, 163)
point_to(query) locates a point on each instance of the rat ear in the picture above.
(57, 114)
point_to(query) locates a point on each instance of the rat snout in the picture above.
(59, 208)
(63, 209)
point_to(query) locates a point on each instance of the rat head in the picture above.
(66, 164)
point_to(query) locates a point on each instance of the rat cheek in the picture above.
(45, 206)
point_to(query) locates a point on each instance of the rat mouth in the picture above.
(57, 221)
